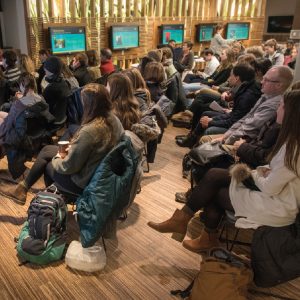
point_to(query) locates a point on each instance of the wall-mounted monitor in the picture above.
(204, 32)
(280, 24)
(124, 37)
(69, 39)
(238, 31)
(172, 32)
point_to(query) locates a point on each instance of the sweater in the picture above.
(89, 146)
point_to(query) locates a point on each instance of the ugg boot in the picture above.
(17, 194)
(204, 242)
(177, 224)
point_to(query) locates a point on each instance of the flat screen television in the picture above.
(280, 24)
(238, 31)
(69, 39)
(204, 32)
(172, 32)
(124, 37)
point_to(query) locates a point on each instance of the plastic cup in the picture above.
(62, 148)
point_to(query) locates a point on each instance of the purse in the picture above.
(208, 153)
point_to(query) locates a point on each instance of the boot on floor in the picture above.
(16, 193)
(189, 141)
(177, 224)
(204, 242)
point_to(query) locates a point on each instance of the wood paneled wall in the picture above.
(99, 15)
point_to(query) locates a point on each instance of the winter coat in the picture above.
(277, 59)
(108, 191)
(276, 204)
(82, 75)
(244, 99)
(218, 77)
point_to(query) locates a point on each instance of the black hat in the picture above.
(53, 64)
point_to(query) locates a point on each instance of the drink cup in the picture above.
(62, 148)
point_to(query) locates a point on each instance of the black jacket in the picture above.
(244, 99)
(218, 77)
(56, 94)
(41, 73)
(82, 75)
(255, 152)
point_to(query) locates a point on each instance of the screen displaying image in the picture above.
(280, 24)
(124, 37)
(238, 31)
(205, 32)
(172, 32)
(67, 39)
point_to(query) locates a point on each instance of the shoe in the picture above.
(177, 224)
(188, 141)
(182, 197)
(180, 137)
(203, 243)
(16, 193)
(190, 95)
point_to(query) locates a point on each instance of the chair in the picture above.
(229, 221)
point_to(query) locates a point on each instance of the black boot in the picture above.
(189, 141)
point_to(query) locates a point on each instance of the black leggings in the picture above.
(43, 166)
(212, 194)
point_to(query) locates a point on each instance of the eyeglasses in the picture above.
(269, 80)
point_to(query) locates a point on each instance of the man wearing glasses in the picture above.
(275, 82)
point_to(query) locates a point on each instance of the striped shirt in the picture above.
(12, 74)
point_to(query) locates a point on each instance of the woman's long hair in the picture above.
(28, 82)
(229, 61)
(290, 131)
(125, 105)
(96, 102)
(138, 82)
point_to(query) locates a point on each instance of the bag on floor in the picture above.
(43, 237)
(223, 276)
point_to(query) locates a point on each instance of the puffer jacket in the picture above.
(108, 192)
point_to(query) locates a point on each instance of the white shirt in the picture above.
(210, 67)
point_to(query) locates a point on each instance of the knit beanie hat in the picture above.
(53, 64)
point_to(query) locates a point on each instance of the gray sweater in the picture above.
(90, 145)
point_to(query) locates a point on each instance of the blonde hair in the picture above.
(27, 64)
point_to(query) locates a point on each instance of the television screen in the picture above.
(67, 39)
(238, 31)
(281, 24)
(204, 32)
(172, 32)
(124, 37)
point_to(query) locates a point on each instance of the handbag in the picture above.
(207, 153)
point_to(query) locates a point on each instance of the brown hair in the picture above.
(93, 58)
(257, 51)
(138, 82)
(290, 131)
(27, 64)
(167, 52)
(271, 43)
(154, 72)
(217, 28)
(82, 58)
(28, 81)
(125, 105)
(229, 61)
(246, 58)
(65, 70)
(96, 102)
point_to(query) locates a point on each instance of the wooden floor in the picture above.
(141, 263)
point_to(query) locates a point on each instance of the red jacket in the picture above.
(106, 67)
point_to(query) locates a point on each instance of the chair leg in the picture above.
(145, 160)
(233, 242)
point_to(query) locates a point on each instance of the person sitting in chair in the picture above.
(99, 132)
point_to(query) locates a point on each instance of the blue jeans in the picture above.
(193, 87)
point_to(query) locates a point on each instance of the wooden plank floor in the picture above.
(141, 263)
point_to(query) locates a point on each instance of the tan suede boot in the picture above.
(177, 224)
(204, 242)
(16, 193)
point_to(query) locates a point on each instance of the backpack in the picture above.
(223, 275)
(43, 237)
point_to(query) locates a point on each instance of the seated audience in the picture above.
(99, 132)
(14, 139)
(186, 60)
(57, 90)
(43, 55)
(27, 65)
(167, 62)
(244, 94)
(125, 105)
(106, 65)
(80, 69)
(291, 62)
(154, 77)
(274, 201)
(93, 64)
(218, 43)
(218, 77)
(69, 77)
(257, 51)
(211, 64)
(273, 53)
